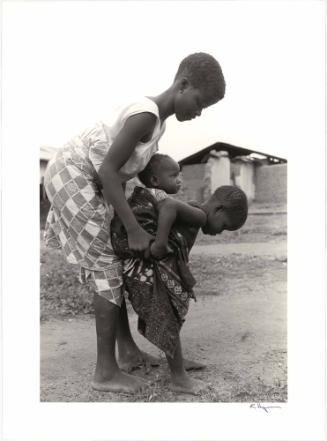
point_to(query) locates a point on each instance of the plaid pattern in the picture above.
(79, 221)
(107, 283)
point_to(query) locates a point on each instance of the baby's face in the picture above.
(168, 176)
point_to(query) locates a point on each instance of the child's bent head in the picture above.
(161, 172)
(227, 209)
(203, 73)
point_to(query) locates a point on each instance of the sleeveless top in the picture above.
(100, 137)
(79, 219)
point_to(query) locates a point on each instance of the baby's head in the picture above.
(227, 209)
(200, 83)
(162, 172)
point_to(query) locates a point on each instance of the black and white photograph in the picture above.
(163, 170)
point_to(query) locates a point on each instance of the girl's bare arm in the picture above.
(166, 218)
(171, 211)
(136, 128)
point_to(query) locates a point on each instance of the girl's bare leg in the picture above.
(108, 376)
(181, 382)
(130, 355)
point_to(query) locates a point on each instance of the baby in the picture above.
(160, 283)
(226, 209)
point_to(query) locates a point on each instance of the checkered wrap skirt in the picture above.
(79, 220)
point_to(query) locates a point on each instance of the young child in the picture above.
(88, 174)
(159, 290)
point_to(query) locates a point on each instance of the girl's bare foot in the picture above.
(190, 365)
(186, 385)
(119, 382)
(130, 362)
(136, 359)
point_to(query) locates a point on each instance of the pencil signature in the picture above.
(264, 408)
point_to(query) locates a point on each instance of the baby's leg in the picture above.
(108, 377)
(130, 356)
(181, 382)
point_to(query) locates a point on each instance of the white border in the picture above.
(302, 418)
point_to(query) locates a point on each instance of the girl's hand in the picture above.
(159, 251)
(139, 239)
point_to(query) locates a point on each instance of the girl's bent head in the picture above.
(227, 209)
(204, 73)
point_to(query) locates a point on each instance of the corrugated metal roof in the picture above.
(232, 150)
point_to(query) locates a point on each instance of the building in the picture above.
(263, 177)
(46, 154)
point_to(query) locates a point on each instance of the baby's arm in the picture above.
(171, 211)
(136, 128)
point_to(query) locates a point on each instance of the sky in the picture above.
(71, 63)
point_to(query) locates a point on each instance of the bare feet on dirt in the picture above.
(136, 361)
(130, 362)
(190, 365)
(186, 385)
(120, 382)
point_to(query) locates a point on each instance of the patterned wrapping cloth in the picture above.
(79, 220)
(159, 290)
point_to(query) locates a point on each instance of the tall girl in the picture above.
(88, 175)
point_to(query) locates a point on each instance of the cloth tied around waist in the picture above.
(159, 290)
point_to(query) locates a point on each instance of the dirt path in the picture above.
(274, 249)
(238, 331)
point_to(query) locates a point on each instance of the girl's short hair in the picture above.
(235, 203)
(204, 73)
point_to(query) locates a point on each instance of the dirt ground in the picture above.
(237, 327)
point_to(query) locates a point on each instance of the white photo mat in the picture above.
(31, 36)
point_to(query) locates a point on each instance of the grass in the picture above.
(62, 294)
